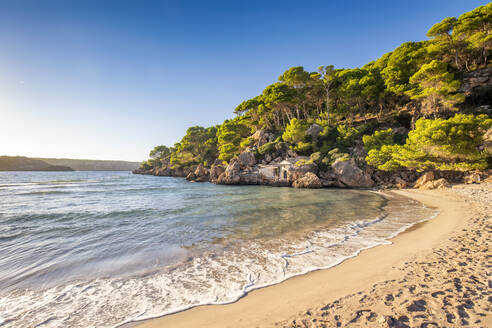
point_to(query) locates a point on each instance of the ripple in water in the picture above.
(98, 249)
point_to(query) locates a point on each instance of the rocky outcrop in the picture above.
(472, 178)
(314, 130)
(215, 171)
(231, 174)
(435, 184)
(262, 137)
(351, 175)
(476, 81)
(309, 180)
(296, 172)
(246, 159)
(424, 179)
(249, 177)
(428, 181)
(201, 174)
(487, 141)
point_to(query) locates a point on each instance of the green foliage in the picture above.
(229, 136)
(198, 146)
(267, 148)
(295, 134)
(401, 64)
(160, 152)
(415, 75)
(378, 139)
(295, 76)
(451, 144)
(436, 86)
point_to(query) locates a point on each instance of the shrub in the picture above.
(378, 139)
(451, 144)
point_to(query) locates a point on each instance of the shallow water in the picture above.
(96, 249)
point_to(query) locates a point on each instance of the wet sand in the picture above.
(433, 275)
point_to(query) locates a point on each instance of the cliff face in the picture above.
(477, 88)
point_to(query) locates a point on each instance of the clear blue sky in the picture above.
(112, 79)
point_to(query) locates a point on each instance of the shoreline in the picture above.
(263, 307)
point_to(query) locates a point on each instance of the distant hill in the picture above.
(92, 165)
(20, 163)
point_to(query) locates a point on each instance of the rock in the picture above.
(191, 176)
(215, 172)
(296, 172)
(262, 137)
(400, 183)
(476, 81)
(201, 171)
(246, 159)
(425, 178)
(358, 150)
(249, 178)
(309, 180)
(268, 158)
(351, 175)
(487, 141)
(231, 175)
(291, 153)
(314, 130)
(472, 178)
(332, 183)
(435, 184)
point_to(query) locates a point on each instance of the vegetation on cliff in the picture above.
(405, 109)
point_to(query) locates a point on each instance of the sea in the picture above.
(103, 249)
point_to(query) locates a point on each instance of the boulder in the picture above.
(246, 159)
(262, 137)
(231, 175)
(191, 176)
(215, 172)
(487, 141)
(424, 179)
(472, 178)
(435, 184)
(296, 172)
(351, 175)
(291, 153)
(249, 178)
(201, 171)
(314, 130)
(309, 180)
(400, 183)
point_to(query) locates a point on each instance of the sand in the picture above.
(436, 274)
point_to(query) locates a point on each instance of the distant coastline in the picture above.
(21, 163)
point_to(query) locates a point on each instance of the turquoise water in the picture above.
(96, 249)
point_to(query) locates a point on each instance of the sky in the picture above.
(112, 79)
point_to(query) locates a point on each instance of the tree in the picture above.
(327, 74)
(295, 77)
(229, 137)
(295, 134)
(401, 64)
(436, 87)
(445, 40)
(451, 144)
(475, 28)
(160, 152)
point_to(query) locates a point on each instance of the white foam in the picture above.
(206, 279)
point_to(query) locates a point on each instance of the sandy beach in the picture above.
(436, 274)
